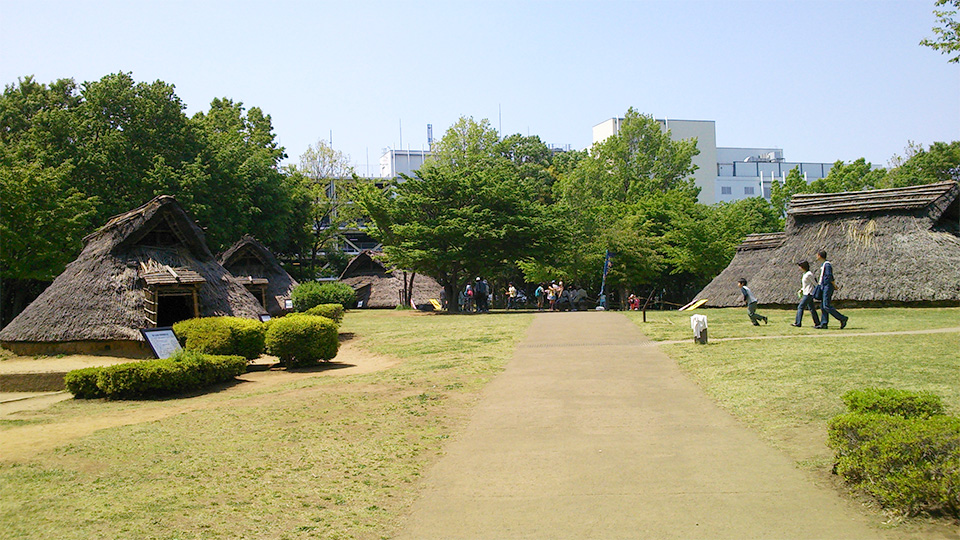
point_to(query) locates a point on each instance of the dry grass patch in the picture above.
(314, 456)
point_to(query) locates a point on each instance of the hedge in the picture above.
(311, 294)
(902, 403)
(222, 336)
(909, 461)
(333, 312)
(185, 371)
(301, 339)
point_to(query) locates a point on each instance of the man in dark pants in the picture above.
(827, 285)
(481, 291)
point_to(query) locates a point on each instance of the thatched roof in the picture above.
(100, 295)
(892, 246)
(379, 287)
(254, 264)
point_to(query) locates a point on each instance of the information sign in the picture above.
(163, 342)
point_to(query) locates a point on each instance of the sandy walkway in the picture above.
(592, 433)
(23, 442)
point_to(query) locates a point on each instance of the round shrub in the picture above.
(902, 403)
(299, 339)
(222, 336)
(333, 312)
(311, 294)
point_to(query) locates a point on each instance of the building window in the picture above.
(726, 190)
(748, 190)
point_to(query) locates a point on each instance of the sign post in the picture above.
(163, 342)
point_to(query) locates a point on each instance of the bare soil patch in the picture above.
(22, 442)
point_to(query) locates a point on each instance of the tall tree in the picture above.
(330, 183)
(466, 214)
(947, 39)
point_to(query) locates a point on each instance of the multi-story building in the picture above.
(723, 173)
(393, 163)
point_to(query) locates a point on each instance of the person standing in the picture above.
(807, 284)
(827, 286)
(511, 297)
(552, 296)
(539, 294)
(751, 301)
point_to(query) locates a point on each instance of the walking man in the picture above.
(751, 301)
(827, 286)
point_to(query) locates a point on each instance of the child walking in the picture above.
(751, 301)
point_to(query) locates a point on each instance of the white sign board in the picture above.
(163, 342)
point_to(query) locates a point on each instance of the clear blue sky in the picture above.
(822, 80)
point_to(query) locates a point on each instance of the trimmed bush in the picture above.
(185, 371)
(299, 339)
(902, 403)
(908, 464)
(311, 294)
(222, 336)
(82, 383)
(333, 312)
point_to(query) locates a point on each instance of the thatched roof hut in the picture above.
(260, 272)
(380, 287)
(145, 268)
(751, 257)
(888, 247)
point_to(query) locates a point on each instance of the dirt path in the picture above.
(18, 443)
(592, 433)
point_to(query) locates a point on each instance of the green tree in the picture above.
(466, 214)
(938, 163)
(331, 184)
(947, 39)
(41, 226)
(857, 175)
(781, 193)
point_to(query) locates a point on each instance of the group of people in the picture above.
(812, 289)
(476, 297)
(554, 296)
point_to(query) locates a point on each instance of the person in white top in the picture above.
(807, 283)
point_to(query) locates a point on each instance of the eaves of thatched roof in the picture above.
(883, 250)
(878, 200)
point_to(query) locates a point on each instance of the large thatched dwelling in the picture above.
(145, 268)
(380, 287)
(888, 247)
(260, 272)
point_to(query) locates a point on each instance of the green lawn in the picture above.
(321, 457)
(733, 322)
(789, 388)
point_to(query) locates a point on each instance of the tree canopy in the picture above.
(74, 155)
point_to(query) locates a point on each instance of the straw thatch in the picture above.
(888, 247)
(379, 287)
(101, 297)
(257, 268)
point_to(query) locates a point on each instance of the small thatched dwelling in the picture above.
(888, 247)
(145, 268)
(380, 287)
(260, 272)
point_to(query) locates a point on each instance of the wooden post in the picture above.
(645, 305)
(196, 303)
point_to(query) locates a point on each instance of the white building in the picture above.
(393, 163)
(723, 173)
